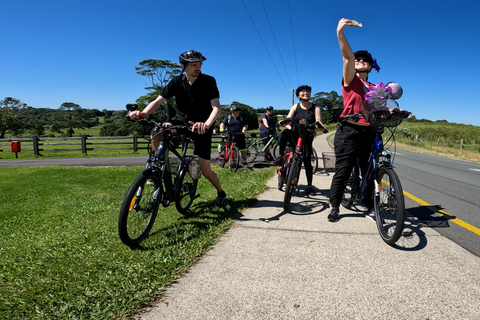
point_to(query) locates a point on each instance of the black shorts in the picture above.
(203, 144)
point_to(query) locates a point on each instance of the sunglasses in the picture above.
(361, 59)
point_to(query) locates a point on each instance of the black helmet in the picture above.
(191, 56)
(366, 55)
(301, 88)
(234, 107)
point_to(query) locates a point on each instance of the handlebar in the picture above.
(306, 127)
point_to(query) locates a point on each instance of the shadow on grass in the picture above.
(205, 216)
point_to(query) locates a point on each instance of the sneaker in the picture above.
(334, 215)
(310, 191)
(269, 157)
(245, 164)
(370, 214)
(221, 200)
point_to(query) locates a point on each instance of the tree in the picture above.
(329, 103)
(158, 72)
(71, 116)
(13, 116)
(248, 113)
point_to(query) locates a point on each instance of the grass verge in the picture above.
(60, 255)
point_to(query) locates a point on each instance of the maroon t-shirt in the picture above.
(353, 96)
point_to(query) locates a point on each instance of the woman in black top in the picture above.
(303, 110)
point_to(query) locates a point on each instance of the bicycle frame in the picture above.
(373, 163)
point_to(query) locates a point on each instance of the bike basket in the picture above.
(328, 161)
(380, 113)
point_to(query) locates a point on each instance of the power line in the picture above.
(263, 43)
(293, 40)
(276, 43)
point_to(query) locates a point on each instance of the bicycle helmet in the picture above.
(191, 56)
(367, 57)
(301, 88)
(234, 107)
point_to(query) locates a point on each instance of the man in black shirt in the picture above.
(198, 101)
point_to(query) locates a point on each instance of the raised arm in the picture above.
(347, 52)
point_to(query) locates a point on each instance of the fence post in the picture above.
(84, 144)
(135, 145)
(438, 142)
(461, 144)
(36, 150)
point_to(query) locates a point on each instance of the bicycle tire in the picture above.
(222, 156)
(281, 176)
(275, 150)
(139, 208)
(252, 152)
(234, 159)
(389, 205)
(293, 170)
(185, 191)
(314, 161)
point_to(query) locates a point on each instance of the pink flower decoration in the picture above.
(379, 91)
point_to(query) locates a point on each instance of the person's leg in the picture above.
(345, 159)
(265, 138)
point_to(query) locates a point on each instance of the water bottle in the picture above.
(194, 167)
(219, 147)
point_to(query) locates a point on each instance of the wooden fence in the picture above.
(83, 143)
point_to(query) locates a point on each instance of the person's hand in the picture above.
(135, 115)
(199, 127)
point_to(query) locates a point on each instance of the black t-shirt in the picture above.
(234, 125)
(307, 114)
(193, 101)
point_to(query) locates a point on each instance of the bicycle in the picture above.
(229, 152)
(253, 146)
(389, 202)
(159, 183)
(289, 171)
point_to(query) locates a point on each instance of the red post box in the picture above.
(15, 146)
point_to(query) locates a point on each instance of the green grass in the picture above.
(60, 255)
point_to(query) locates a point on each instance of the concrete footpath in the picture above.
(296, 265)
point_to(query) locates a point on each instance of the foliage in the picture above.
(61, 255)
(12, 116)
(329, 102)
(72, 116)
(158, 72)
(248, 113)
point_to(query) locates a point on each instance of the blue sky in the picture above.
(84, 51)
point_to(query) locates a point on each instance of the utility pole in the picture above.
(292, 96)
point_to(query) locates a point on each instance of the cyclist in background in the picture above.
(353, 140)
(303, 110)
(268, 125)
(236, 124)
(198, 103)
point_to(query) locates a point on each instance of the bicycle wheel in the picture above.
(185, 191)
(234, 159)
(293, 172)
(314, 160)
(139, 208)
(275, 150)
(252, 152)
(222, 156)
(389, 205)
(281, 175)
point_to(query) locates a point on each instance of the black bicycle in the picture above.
(289, 171)
(379, 175)
(169, 176)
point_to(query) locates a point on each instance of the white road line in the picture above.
(474, 169)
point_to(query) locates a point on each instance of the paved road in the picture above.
(295, 265)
